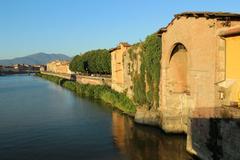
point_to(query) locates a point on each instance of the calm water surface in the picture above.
(42, 121)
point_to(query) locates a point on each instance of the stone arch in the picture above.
(178, 68)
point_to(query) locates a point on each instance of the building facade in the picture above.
(193, 65)
(230, 87)
(124, 66)
(43, 68)
(117, 62)
(57, 66)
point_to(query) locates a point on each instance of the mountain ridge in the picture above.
(37, 58)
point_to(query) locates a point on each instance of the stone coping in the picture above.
(216, 112)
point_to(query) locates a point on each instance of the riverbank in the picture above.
(104, 93)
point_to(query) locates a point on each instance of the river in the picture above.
(43, 121)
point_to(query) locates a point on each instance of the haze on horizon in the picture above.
(71, 27)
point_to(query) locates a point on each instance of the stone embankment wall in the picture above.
(148, 145)
(214, 133)
(83, 79)
(65, 76)
(94, 80)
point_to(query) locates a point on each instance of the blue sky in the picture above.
(74, 26)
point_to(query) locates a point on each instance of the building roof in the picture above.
(59, 61)
(232, 31)
(208, 15)
(124, 44)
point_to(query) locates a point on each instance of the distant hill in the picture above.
(38, 58)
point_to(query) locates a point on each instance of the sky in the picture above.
(75, 26)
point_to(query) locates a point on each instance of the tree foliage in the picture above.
(95, 61)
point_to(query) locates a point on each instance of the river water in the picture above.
(43, 121)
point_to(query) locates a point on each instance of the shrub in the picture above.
(54, 79)
(104, 93)
(107, 95)
(71, 85)
(118, 100)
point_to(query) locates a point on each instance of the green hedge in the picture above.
(95, 61)
(104, 93)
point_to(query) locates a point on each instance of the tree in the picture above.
(95, 61)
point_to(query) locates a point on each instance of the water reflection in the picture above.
(144, 143)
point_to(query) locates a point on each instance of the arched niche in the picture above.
(178, 66)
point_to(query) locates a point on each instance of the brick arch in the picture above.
(178, 69)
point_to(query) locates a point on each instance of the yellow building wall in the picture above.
(58, 67)
(233, 69)
(118, 69)
(233, 57)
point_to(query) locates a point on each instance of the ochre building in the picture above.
(123, 66)
(199, 65)
(119, 82)
(199, 73)
(231, 84)
(199, 80)
(57, 66)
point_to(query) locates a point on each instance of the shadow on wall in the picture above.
(141, 142)
(216, 138)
